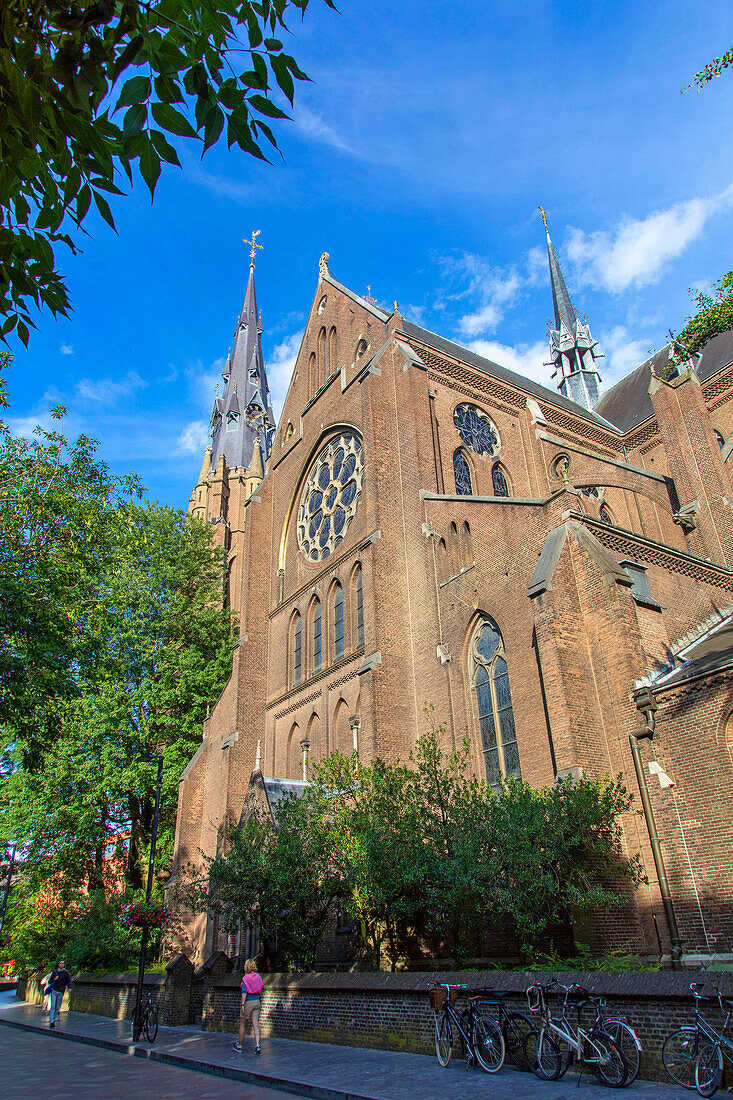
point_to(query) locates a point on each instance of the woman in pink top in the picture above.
(251, 990)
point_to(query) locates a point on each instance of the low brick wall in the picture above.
(391, 1011)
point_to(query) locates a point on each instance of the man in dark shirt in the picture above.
(59, 981)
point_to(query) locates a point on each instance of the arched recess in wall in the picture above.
(295, 648)
(312, 374)
(229, 585)
(356, 604)
(341, 736)
(315, 737)
(325, 435)
(454, 549)
(728, 735)
(322, 367)
(499, 480)
(462, 474)
(293, 768)
(331, 357)
(466, 544)
(443, 561)
(489, 676)
(315, 635)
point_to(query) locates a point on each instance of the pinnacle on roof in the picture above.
(572, 348)
(243, 414)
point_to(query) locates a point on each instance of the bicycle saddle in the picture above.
(578, 993)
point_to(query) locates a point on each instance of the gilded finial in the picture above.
(255, 246)
(368, 296)
(543, 215)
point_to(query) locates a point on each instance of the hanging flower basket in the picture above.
(144, 914)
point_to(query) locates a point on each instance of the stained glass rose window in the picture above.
(475, 429)
(330, 496)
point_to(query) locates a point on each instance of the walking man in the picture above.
(59, 981)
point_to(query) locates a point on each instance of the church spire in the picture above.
(572, 348)
(242, 416)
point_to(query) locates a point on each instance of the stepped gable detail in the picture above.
(518, 557)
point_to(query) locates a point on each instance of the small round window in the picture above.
(322, 303)
(361, 348)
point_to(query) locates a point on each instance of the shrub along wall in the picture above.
(386, 1011)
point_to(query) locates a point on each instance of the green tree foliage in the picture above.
(91, 88)
(426, 847)
(714, 315)
(115, 643)
(713, 69)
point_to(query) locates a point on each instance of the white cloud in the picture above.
(107, 391)
(312, 126)
(26, 426)
(193, 439)
(529, 360)
(66, 349)
(280, 367)
(493, 288)
(637, 250)
(623, 352)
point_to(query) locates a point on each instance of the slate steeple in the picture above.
(243, 415)
(572, 348)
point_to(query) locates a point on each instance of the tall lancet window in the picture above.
(498, 480)
(316, 634)
(338, 622)
(297, 636)
(462, 473)
(494, 703)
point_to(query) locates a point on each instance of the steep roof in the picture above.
(503, 374)
(628, 402)
(564, 312)
(708, 654)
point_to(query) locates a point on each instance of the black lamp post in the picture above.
(137, 1018)
(6, 891)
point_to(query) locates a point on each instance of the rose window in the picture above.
(330, 496)
(476, 430)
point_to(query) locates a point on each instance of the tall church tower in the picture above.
(242, 430)
(572, 348)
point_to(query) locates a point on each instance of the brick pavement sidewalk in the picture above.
(318, 1070)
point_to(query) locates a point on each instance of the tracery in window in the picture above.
(232, 422)
(338, 622)
(475, 429)
(316, 635)
(605, 515)
(462, 473)
(490, 676)
(330, 496)
(498, 480)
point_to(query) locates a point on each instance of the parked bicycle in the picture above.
(146, 1023)
(481, 1036)
(682, 1048)
(622, 1033)
(551, 1050)
(515, 1026)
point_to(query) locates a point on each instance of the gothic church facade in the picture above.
(425, 526)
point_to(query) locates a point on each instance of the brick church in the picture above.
(425, 526)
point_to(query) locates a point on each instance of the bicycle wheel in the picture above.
(542, 1055)
(708, 1069)
(611, 1071)
(516, 1028)
(488, 1043)
(443, 1039)
(627, 1041)
(679, 1054)
(151, 1024)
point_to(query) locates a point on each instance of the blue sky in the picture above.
(417, 158)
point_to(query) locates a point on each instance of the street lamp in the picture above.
(646, 703)
(148, 758)
(6, 891)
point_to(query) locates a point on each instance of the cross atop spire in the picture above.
(572, 347)
(255, 246)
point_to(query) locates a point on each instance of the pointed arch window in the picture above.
(316, 635)
(720, 438)
(605, 515)
(232, 422)
(462, 473)
(498, 480)
(297, 649)
(490, 675)
(338, 622)
(359, 593)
